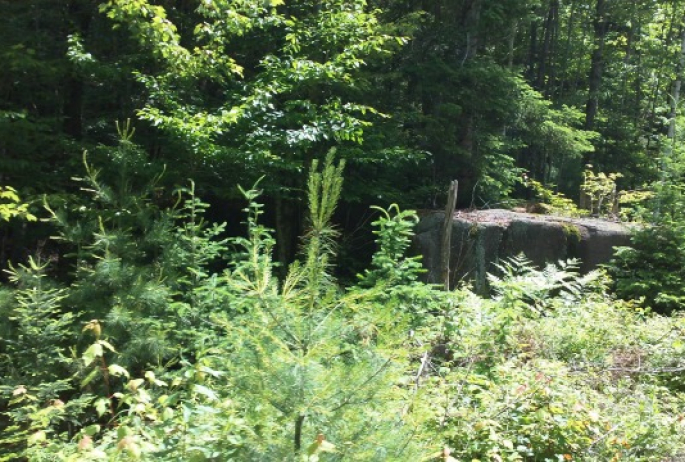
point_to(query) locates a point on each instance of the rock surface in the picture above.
(480, 239)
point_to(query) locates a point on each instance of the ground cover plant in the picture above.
(143, 353)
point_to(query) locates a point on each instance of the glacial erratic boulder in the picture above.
(481, 239)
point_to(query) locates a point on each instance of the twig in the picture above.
(611, 430)
(425, 359)
(662, 370)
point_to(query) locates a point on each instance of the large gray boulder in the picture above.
(481, 239)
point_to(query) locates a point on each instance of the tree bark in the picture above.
(80, 14)
(446, 247)
(549, 36)
(512, 41)
(298, 433)
(677, 85)
(471, 23)
(673, 110)
(567, 51)
(533, 50)
(600, 26)
(287, 227)
(554, 38)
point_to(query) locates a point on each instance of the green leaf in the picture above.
(93, 351)
(89, 378)
(117, 371)
(107, 345)
(102, 406)
(134, 384)
(91, 430)
(209, 394)
(320, 445)
(326, 446)
(37, 437)
(167, 413)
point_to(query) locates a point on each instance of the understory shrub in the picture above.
(244, 366)
(652, 269)
(143, 353)
(553, 368)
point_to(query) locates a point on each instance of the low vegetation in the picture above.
(145, 353)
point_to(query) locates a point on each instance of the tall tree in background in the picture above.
(600, 26)
(467, 102)
(254, 88)
(230, 90)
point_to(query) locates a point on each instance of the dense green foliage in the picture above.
(652, 268)
(144, 353)
(413, 94)
(139, 322)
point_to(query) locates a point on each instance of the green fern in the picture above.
(521, 284)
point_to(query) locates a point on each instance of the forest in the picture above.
(206, 220)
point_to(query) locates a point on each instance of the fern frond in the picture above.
(521, 283)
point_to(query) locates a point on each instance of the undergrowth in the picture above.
(143, 353)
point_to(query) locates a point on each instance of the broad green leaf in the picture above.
(93, 351)
(102, 405)
(107, 345)
(118, 371)
(208, 393)
(91, 430)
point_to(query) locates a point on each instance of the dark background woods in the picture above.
(412, 93)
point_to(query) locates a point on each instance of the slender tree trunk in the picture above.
(512, 41)
(567, 49)
(626, 65)
(597, 65)
(551, 65)
(673, 112)
(80, 14)
(446, 246)
(544, 57)
(73, 108)
(677, 85)
(579, 77)
(637, 85)
(533, 51)
(667, 38)
(510, 57)
(298, 433)
(287, 226)
(471, 23)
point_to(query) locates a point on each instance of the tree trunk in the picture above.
(626, 65)
(73, 108)
(287, 227)
(471, 23)
(554, 38)
(80, 14)
(567, 51)
(512, 41)
(446, 247)
(533, 51)
(673, 112)
(544, 58)
(677, 84)
(600, 26)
